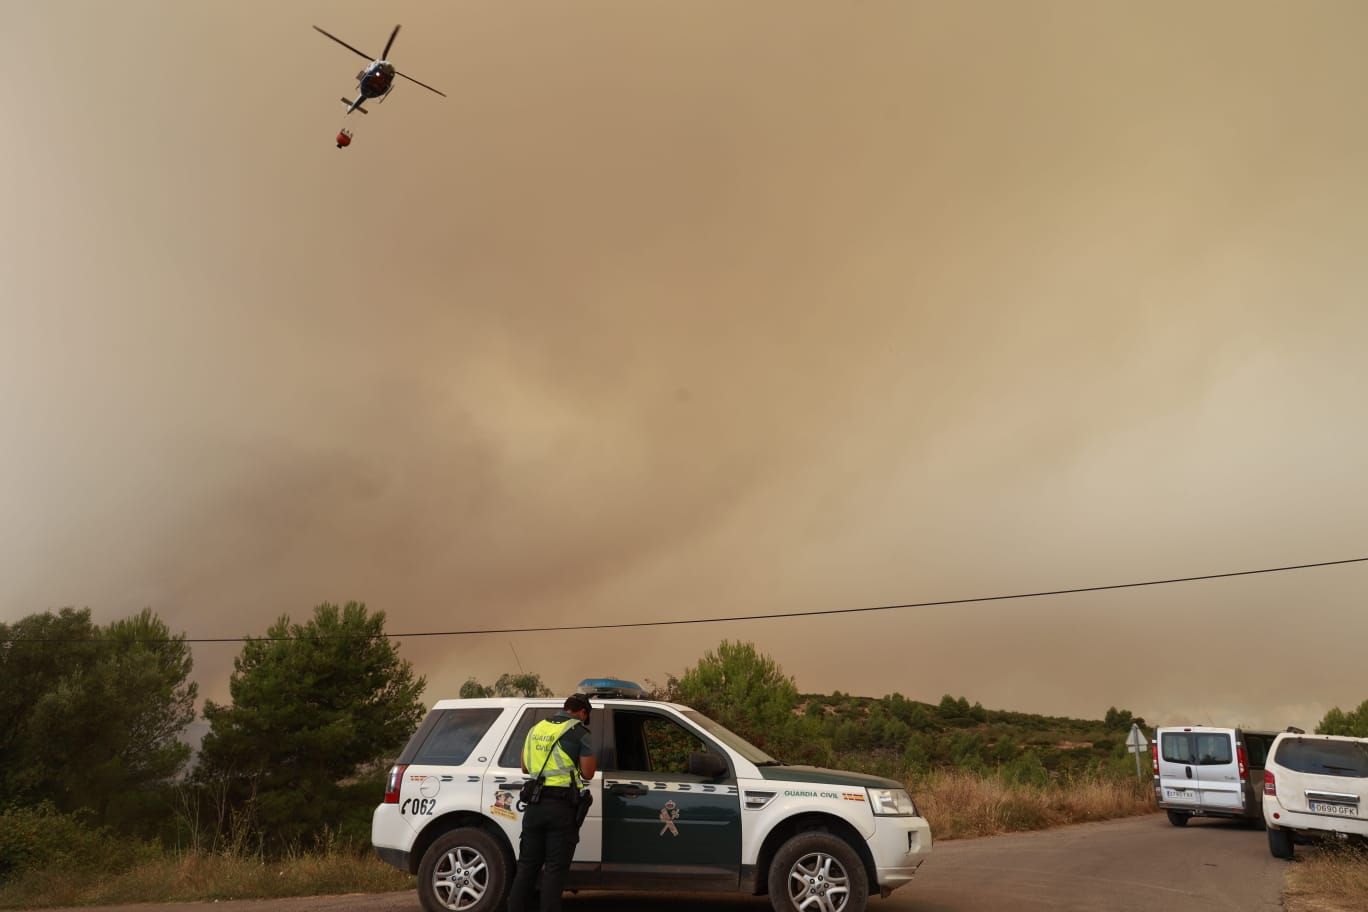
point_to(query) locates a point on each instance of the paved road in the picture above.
(1122, 865)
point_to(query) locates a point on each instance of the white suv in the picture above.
(1314, 786)
(680, 803)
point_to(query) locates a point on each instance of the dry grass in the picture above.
(1329, 879)
(960, 805)
(209, 877)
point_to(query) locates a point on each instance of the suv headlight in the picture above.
(891, 803)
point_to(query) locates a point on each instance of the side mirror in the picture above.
(707, 764)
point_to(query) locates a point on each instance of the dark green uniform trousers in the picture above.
(549, 836)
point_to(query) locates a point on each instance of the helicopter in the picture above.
(376, 80)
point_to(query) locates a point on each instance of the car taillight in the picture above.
(1154, 756)
(1270, 784)
(1244, 767)
(394, 783)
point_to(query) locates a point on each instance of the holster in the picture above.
(582, 805)
(531, 790)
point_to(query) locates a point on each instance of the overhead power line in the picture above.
(729, 619)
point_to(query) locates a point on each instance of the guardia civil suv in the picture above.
(680, 803)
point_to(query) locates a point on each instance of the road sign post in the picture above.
(1135, 743)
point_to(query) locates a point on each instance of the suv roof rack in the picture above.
(612, 687)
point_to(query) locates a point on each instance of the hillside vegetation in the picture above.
(897, 735)
(893, 735)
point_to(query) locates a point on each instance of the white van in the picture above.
(1200, 771)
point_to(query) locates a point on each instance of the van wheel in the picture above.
(819, 872)
(463, 871)
(1178, 818)
(1280, 843)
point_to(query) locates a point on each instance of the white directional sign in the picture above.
(1136, 744)
(1136, 741)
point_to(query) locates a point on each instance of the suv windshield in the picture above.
(1324, 758)
(731, 739)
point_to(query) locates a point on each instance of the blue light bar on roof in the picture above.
(612, 687)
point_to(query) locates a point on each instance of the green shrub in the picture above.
(42, 837)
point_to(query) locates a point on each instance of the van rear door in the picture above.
(1218, 771)
(1178, 769)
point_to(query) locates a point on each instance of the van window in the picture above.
(451, 736)
(1176, 747)
(1348, 759)
(1214, 750)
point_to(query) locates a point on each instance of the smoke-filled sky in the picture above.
(693, 308)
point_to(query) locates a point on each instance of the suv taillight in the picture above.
(1270, 784)
(1154, 755)
(1244, 767)
(394, 783)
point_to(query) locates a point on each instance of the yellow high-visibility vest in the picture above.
(541, 751)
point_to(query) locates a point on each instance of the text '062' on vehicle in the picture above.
(679, 803)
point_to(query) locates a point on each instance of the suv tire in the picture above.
(818, 864)
(1178, 818)
(1280, 843)
(465, 870)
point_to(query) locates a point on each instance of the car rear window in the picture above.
(1324, 758)
(447, 736)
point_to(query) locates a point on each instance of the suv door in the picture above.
(1218, 772)
(1177, 770)
(506, 777)
(660, 820)
(1256, 745)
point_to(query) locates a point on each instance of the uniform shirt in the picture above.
(575, 743)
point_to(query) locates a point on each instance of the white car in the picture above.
(1315, 786)
(680, 803)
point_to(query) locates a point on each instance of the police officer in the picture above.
(559, 746)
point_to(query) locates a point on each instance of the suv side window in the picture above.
(511, 758)
(450, 736)
(649, 743)
(1214, 750)
(1348, 759)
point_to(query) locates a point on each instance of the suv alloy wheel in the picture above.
(816, 871)
(465, 870)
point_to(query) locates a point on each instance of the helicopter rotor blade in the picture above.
(348, 46)
(423, 84)
(384, 55)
